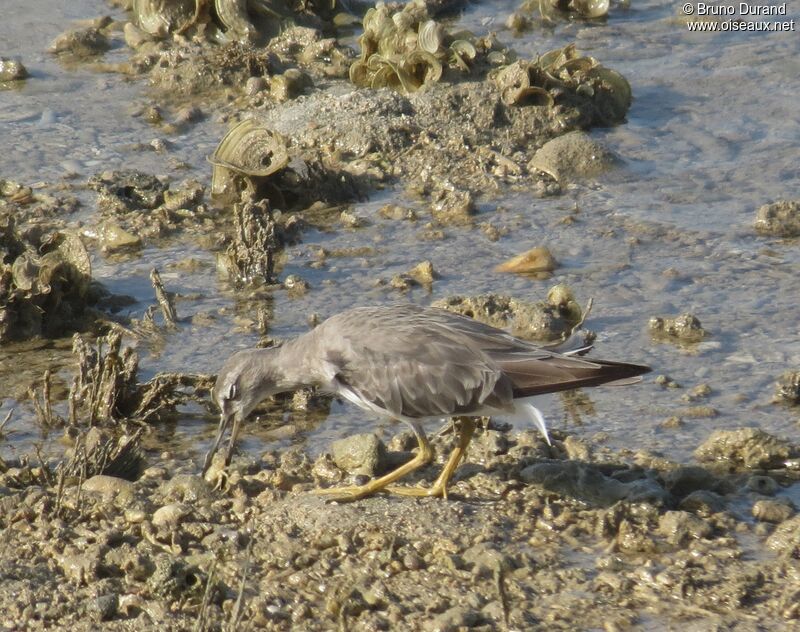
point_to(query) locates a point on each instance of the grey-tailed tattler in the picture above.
(409, 363)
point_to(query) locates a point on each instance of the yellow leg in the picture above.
(439, 487)
(356, 492)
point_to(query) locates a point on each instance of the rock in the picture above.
(348, 219)
(538, 259)
(289, 85)
(453, 207)
(402, 282)
(774, 511)
(114, 238)
(701, 391)
(681, 526)
(703, 502)
(186, 488)
(108, 485)
(541, 321)
(684, 328)
(572, 157)
(396, 212)
(666, 381)
(169, 516)
(747, 447)
(172, 578)
(11, 70)
(780, 219)
(423, 273)
(587, 483)
(360, 454)
(489, 443)
(452, 620)
(577, 449)
(763, 485)
(296, 285)
(82, 42)
(81, 567)
(684, 480)
(485, 560)
(787, 390)
(104, 607)
(785, 540)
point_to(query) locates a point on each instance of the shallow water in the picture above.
(713, 134)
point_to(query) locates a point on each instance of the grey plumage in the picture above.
(408, 363)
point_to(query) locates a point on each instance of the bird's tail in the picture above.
(561, 373)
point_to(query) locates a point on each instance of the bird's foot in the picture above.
(348, 494)
(434, 491)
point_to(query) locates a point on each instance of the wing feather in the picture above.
(419, 362)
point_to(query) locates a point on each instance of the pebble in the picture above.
(774, 511)
(360, 454)
(104, 607)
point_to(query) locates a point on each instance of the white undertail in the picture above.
(524, 409)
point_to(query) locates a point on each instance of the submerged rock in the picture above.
(681, 526)
(774, 511)
(683, 328)
(11, 70)
(787, 390)
(747, 447)
(543, 321)
(587, 483)
(89, 41)
(785, 540)
(780, 219)
(572, 157)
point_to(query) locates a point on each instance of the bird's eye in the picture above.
(233, 391)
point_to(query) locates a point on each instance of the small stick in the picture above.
(48, 406)
(238, 611)
(499, 577)
(45, 471)
(59, 492)
(5, 421)
(164, 299)
(201, 624)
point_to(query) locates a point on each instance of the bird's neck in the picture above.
(292, 364)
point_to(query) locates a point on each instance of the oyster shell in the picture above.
(590, 8)
(162, 17)
(235, 20)
(249, 149)
(430, 36)
(541, 81)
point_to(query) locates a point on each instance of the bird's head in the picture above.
(246, 379)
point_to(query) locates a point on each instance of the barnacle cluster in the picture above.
(43, 285)
(237, 20)
(406, 50)
(561, 73)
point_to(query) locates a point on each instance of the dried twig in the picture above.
(238, 610)
(499, 579)
(202, 623)
(164, 299)
(59, 493)
(6, 420)
(43, 406)
(43, 466)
